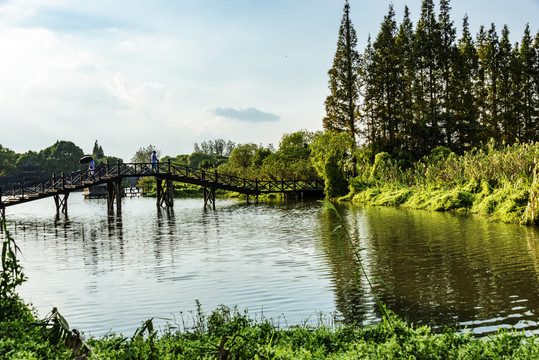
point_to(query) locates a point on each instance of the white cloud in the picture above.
(249, 114)
(151, 70)
(140, 102)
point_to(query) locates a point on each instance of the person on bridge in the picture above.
(91, 167)
(154, 161)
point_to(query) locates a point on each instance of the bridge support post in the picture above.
(2, 216)
(60, 200)
(2, 210)
(165, 193)
(256, 188)
(209, 198)
(114, 192)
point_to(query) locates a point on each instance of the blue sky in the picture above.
(130, 73)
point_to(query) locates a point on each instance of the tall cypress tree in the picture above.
(536, 86)
(481, 85)
(342, 102)
(463, 100)
(491, 120)
(385, 66)
(508, 128)
(516, 91)
(368, 92)
(446, 59)
(528, 60)
(97, 151)
(446, 52)
(427, 82)
(406, 74)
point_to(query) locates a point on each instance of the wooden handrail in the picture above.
(175, 172)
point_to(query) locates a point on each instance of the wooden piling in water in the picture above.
(2, 210)
(60, 200)
(114, 194)
(165, 192)
(209, 198)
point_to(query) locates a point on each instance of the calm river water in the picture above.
(278, 260)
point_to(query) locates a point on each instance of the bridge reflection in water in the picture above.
(165, 174)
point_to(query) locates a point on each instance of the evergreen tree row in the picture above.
(418, 87)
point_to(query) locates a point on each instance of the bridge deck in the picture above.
(78, 180)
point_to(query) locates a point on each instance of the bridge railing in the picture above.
(57, 183)
(213, 177)
(80, 178)
(290, 185)
(234, 182)
(131, 169)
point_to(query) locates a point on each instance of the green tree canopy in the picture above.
(8, 159)
(296, 145)
(30, 157)
(144, 154)
(63, 156)
(260, 156)
(291, 160)
(112, 160)
(332, 160)
(196, 159)
(332, 147)
(242, 155)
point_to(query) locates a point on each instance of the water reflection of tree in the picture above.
(355, 305)
(443, 269)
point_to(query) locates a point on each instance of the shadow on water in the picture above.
(444, 269)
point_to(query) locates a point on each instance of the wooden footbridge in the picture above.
(60, 186)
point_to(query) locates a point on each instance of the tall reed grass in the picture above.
(499, 180)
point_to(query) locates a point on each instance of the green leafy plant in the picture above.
(12, 274)
(55, 327)
(237, 347)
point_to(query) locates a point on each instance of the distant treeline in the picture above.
(419, 87)
(63, 156)
(217, 147)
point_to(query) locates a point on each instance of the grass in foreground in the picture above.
(229, 334)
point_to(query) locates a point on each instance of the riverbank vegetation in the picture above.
(229, 334)
(500, 181)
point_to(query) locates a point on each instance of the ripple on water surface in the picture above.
(113, 272)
